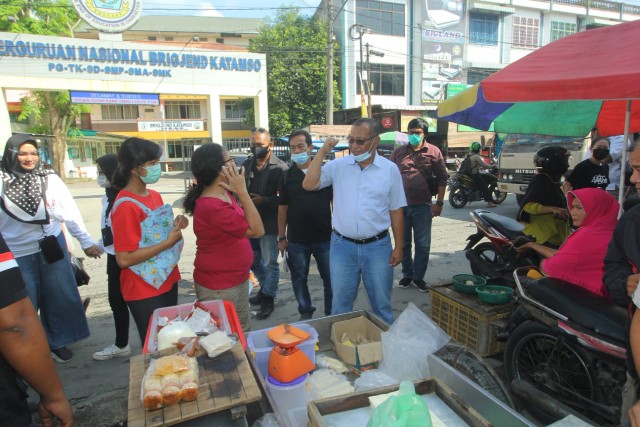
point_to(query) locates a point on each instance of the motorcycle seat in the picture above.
(581, 306)
(509, 227)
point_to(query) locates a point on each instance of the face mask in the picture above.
(153, 174)
(259, 152)
(362, 157)
(415, 140)
(600, 153)
(300, 158)
(103, 181)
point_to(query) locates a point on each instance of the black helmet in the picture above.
(552, 160)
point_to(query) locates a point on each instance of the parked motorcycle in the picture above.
(462, 190)
(497, 258)
(568, 343)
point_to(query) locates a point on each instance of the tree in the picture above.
(47, 17)
(296, 50)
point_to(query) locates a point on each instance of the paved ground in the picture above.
(98, 390)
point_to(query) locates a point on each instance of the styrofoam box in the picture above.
(215, 307)
(260, 346)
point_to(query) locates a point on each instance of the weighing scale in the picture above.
(286, 361)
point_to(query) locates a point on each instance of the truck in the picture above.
(516, 167)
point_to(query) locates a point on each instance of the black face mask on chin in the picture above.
(600, 153)
(259, 152)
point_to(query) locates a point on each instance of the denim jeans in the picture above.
(299, 259)
(265, 263)
(52, 289)
(350, 262)
(417, 218)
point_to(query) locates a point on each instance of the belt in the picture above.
(363, 241)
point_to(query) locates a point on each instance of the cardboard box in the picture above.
(360, 356)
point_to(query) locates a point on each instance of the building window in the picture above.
(233, 110)
(151, 38)
(386, 79)
(525, 32)
(178, 149)
(561, 29)
(381, 17)
(182, 110)
(119, 112)
(220, 40)
(483, 29)
(168, 39)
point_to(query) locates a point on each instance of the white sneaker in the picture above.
(111, 352)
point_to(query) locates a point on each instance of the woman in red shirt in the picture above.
(222, 228)
(147, 240)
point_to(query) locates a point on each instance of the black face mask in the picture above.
(600, 153)
(259, 152)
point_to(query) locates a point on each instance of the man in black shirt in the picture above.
(304, 226)
(263, 173)
(24, 352)
(592, 172)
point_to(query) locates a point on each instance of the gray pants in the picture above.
(629, 397)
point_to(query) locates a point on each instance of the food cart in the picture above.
(234, 393)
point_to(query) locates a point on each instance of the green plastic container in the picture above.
(460, 283)
(493, 294)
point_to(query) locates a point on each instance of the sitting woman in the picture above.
(544, 207)
(580, 260)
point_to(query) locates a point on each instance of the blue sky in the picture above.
(227, 8)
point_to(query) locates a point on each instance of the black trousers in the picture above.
(483, 185)
(116, 302)
(141, 310)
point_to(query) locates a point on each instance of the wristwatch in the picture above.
(440, 203)
(281, 238)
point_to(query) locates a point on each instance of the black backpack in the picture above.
(465, 166)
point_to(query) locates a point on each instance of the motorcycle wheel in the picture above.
(497, 196)
(493, 259)
(558, 367)
(458, 197)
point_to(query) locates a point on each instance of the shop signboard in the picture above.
(81, 97)
(442, 42)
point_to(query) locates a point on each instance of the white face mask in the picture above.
(362, 157)
(103, 181)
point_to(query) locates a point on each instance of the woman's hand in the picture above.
(93, 251)
(632, 283)
(181, 222)
(235, 181)
(559, 212)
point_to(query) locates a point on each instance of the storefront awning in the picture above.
(492, 7)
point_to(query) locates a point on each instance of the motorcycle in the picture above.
(567, 343)
(495, 260)
(462, 190)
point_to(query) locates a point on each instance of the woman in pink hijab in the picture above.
(579, 260)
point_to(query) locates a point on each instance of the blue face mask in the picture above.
(300, 158)
(362, 157)
(153, 174)
(415, 140)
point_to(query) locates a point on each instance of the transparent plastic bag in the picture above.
(408, 343)
(407, 409)
(373, 378)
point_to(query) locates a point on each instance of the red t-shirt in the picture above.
(127, 233)
(223, 254)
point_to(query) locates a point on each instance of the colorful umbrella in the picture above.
(390, 140)
(564, 88)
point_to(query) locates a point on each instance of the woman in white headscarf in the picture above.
(35, 203)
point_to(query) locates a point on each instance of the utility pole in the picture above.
(374, 53)
(329, 111)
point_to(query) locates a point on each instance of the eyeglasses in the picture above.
(351, 140)
(229, 160)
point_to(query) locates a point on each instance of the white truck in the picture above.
(516, 167)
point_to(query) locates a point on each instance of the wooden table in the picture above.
(226, 382)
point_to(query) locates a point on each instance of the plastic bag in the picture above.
(408, 343)
(267, 420)
(407, 409)
(373, 378)
(327, 383)
(170, 334)
(169, 380)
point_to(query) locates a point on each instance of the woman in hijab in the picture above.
(580, 260)
(35, 203)
(544, 206)
(106, 167)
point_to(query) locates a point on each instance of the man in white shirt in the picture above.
(368, 197)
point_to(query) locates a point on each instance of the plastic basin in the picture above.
(460, 283)
(493, 294)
